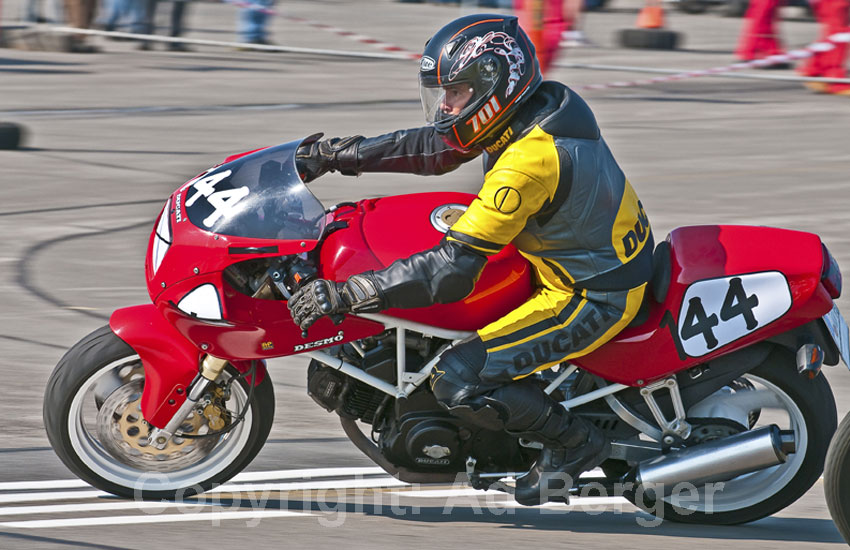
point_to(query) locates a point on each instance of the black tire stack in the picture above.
(11, 135)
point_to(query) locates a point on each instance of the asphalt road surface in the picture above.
(112, 134)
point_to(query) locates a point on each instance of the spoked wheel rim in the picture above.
(777, 407)
(103, 458)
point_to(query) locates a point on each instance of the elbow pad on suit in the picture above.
(444, 274)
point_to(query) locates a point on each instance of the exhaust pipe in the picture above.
(719, 460)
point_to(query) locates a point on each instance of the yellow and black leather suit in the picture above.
(554, 190)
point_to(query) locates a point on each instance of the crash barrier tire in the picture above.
(735, 8)
(836, 478)
(649, 39)
(90, 357)
(10, 135)
(815, 404)
(692, 6)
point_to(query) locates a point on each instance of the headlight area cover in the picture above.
(162, 238)
(202, 302)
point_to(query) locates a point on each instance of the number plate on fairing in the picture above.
(716, 312)
(838, 330)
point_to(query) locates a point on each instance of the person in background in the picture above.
(178, 11)
(252, 22)
(759, 36)
(833, 17)
(573, 36)
(80, 14)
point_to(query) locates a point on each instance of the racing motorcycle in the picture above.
(714, 386)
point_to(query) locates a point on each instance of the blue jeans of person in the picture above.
(252, 22)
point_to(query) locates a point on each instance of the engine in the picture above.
(415, 433)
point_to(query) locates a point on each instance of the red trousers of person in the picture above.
(544, 22)
(833, 18)
(759, 36)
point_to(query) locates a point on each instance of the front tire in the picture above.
(836, 478)
(93, 422)
(784, 398)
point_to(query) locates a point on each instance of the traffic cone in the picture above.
(651, 16)
(650, 32)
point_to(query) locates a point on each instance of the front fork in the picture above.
(211, 369)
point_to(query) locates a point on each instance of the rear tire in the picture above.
(780, 485)
(837, 478)
(85, 380)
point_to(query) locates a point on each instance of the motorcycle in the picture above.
(715, 384)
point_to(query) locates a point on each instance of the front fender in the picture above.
(170, 360)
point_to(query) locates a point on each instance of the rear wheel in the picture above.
(780, 396)
(837, 478)
(93, 419)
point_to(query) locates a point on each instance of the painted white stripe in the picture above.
(41, 497)
(306, 473)
(164, 518)
(97, 507)
(227, 488)
(374, 483)
(50, 484)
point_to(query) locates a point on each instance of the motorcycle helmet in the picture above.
(473, 75)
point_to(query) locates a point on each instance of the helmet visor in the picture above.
(446, 102)
(455, 99)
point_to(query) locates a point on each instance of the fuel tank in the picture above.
(373, 233)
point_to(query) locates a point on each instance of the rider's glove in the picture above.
(360, 294)
(315, 156)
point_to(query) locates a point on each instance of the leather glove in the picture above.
(315, 156)
(315, 300)
(360, 294)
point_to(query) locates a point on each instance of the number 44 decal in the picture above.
(716, 312)
(222, 201)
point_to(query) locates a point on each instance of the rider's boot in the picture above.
(571, 446)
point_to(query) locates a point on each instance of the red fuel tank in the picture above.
(373, 233)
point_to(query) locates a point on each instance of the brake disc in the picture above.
(124, 433)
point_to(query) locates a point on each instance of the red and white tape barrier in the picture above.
(396, 52)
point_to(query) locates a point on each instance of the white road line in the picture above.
(306, 473)
(374, 483)
(228, 488)
(97, 507)
(36, 497)
(165, 518)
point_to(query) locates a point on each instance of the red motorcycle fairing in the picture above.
(170, 361)
(374, 233)
(679, 330)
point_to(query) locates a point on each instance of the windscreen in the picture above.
(259, 195)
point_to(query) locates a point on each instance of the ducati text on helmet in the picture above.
(473, 76)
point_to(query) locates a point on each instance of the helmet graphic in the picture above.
(474, 74)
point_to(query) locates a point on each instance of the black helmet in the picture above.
(474, 74)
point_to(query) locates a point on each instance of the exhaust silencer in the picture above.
(715, 461)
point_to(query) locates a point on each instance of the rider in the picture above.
(553, 189)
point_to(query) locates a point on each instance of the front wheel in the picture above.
(836, 478)
(772, 393)
(92, 415)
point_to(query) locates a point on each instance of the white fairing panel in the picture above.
(202, 302)
(162, 238)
